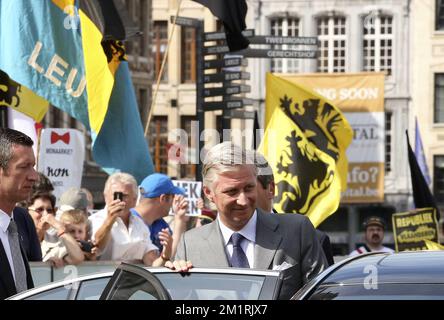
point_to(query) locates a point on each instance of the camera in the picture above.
(86, 246)
(118, 195)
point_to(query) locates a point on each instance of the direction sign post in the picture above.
(225, 63)
(200, 112)
(185, 22)
(227, 104)
(226, 76)
(241, 114)
(230, 70)
(226, 90)
(213, 36)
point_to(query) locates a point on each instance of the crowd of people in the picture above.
(237, 227)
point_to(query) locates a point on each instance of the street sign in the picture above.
(241, 114)
(226, 76)
(226, 91)
(216, 50)
(213, 36)
(227, 104)
(225, 63)
(283, 40)
(184, 21)
(269, 53)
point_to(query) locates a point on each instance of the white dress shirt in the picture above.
(126, 243)
(248, 232)
(4, 224)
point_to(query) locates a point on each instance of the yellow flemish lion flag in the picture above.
(21, 99)
(305, 142)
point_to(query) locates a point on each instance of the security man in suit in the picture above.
(244, 235)
(29, 239)
(17, 176)
(265, 196)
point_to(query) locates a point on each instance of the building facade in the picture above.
(427, 87)
(354, 36)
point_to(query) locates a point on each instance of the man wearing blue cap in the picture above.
(157, 193)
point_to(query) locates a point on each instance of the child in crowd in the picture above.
(77, 224)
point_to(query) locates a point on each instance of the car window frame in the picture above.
(310, 287)
(138, 271)
(82, 282)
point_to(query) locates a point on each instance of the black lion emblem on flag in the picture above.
(299, 161)
(114, 50)
(8, 95)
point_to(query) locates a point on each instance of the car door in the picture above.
(130, 282)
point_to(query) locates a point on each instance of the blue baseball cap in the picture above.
(157, 184)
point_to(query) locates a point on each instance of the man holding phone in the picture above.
(121, 236)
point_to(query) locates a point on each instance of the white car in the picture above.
(132, 282)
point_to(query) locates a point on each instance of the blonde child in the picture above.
(77, 225)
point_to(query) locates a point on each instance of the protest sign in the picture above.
(61, 156)
(411, 229)
(193, 193)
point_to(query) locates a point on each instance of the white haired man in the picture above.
(242, 234)
(121, 236)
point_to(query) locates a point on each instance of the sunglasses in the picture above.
(41, 210)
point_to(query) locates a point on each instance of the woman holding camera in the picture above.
(64, 249)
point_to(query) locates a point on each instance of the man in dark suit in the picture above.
(17, 176)
(265, 196)
(28, 234)
(243, 236)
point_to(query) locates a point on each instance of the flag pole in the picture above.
(153, 102)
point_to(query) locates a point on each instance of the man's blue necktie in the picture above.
(238, 259)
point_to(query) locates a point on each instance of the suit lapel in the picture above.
(267, 240)
(6, 272)
(215, 242)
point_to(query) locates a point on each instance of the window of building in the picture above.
(158, 143)
(388, 141)
(439, 20)
(188, 56)
(438, 178)
(188, 170)
(378, 43)
(160, 41)
(439, 98)
(332, 44)
(285, 27)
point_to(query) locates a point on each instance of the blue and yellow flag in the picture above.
(59, 51)
(304, 142)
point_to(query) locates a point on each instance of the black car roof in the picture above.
(403, 267)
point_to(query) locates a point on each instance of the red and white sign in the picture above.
(61, 156)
